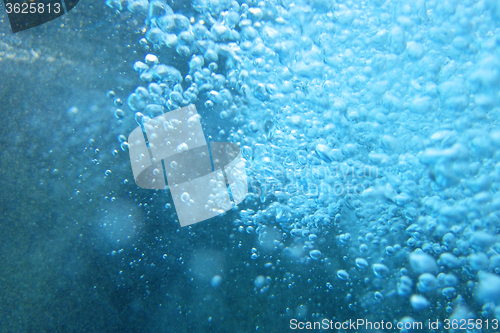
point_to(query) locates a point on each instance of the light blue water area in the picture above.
(370, 135)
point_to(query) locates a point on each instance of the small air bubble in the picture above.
(185, 197)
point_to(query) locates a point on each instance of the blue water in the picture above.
(370, 136)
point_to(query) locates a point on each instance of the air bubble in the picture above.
(380, 270)
(124, 146)
(260, 281)
(151, 59)
(119, 114)
(315, 254)
(185, 197)
(361, 263)
(182, 147)
(343, 275)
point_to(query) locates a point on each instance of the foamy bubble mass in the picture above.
(370, 134)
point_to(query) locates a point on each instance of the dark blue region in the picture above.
(70, 4)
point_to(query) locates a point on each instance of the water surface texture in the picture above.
(369, 131)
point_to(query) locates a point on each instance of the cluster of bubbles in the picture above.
(375, 121)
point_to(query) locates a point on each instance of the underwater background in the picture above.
(370, 136)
